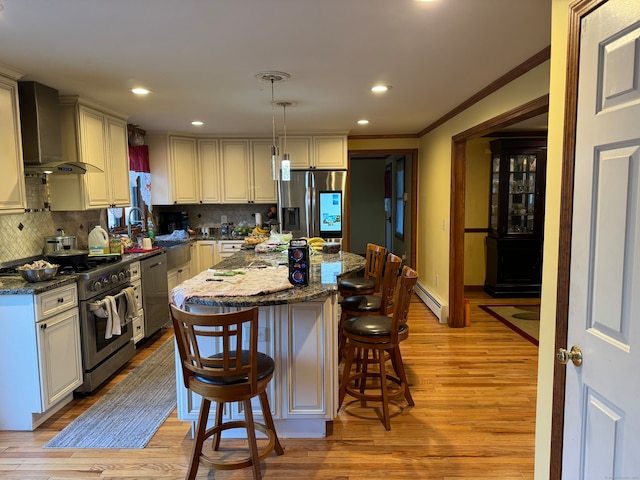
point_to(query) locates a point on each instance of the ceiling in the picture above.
(200, 58)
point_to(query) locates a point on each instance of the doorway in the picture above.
(529, 110)
(382, 206)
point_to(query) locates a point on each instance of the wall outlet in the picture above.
(263, 334)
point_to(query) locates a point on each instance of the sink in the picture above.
(178, 253)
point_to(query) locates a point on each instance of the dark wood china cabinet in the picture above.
(516, 217)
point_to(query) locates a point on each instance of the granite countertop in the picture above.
(16, 285)
(322, 278)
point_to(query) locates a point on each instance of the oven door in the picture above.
(95, 346)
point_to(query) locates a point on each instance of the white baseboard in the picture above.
(437, 305)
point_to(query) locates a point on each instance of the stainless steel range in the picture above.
(101, 356)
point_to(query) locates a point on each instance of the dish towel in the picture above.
(113, 318)
(132, 304)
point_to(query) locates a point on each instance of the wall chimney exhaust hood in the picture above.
(41, 135)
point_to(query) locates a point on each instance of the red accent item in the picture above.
(139, 159)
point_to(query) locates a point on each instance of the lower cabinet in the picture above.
(514, 267)
(60, 362)
(302, 339)
(176, 276)
(41, 344)
(207, 254)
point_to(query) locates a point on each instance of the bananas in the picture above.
(315, 243)
(260, 231)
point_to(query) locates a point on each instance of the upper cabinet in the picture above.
(92, 135)
(246, 171)
(189, 170)
(324, 152)
(173, 161)
(13, 197)
(209, 161)
(234, 160)
(263, 187)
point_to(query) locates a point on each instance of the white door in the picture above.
(602, 406)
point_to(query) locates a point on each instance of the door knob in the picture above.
(575, 355)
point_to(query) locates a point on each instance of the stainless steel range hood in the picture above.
(41, 135)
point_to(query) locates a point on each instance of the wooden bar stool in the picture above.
(375, 304)
(376, 336)
(236, 374)
(369, 282)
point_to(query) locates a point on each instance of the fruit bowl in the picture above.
(38, 274)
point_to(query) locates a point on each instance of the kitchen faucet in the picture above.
(129, 219)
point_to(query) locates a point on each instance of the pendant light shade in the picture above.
(286, 162)
(273, 77)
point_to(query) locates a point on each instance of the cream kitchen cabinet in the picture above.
(303, 394)
(263, 187)
(97, 137)
(207, 253)
(246, 171)
(45, 336)
(177, 275)
(13, 196)
(236, 176)
(173, 161)
(324, 152)
(209, 161)
(226, 248)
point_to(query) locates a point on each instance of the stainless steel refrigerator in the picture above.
(313, 203)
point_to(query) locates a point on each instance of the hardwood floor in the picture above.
(474, 418)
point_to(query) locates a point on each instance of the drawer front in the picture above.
(137, 287)
(230, 246)
(56, 301)
(134, 268)
(138, 327)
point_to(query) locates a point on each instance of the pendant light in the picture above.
(286, 161)
(273, 77)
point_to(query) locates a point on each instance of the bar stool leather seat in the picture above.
(369, 282)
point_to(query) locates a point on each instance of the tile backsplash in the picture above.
(22, 235)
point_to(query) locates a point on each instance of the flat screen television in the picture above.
(330, 213)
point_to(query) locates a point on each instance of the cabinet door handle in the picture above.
(43, 326)
(60, 300)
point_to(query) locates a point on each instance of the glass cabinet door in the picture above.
(522, 189)
(495, 193)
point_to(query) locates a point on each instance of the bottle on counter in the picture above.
(151, 232)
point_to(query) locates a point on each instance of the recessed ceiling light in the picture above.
(380, 88)
(197, 123)
(363, 122)
(140, 91)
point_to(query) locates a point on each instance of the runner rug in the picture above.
(523, 319)
(129, 414)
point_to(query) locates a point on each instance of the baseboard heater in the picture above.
(435, 304)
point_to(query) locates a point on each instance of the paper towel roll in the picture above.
(258, 219)
(146, 244)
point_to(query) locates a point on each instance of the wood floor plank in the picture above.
(474, 418)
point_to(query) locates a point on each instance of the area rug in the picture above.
(131, 412)
(523, 319)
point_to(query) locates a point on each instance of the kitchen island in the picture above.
(298, 328)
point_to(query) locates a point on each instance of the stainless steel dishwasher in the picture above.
(155, 293)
